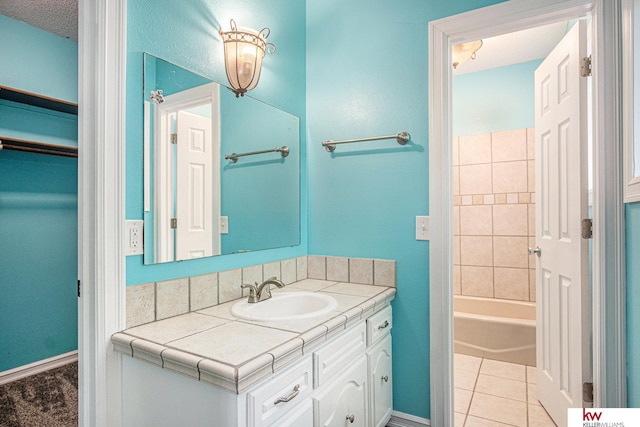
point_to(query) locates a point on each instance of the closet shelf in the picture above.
(16, 95)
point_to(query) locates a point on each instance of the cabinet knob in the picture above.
(293, 394)
(351, 418)
(384, 325)
(385, 378)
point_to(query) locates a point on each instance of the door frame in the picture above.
(608, 302)
(102, 50)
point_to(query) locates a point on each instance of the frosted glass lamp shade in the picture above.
(244, 50)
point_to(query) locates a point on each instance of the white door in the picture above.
(563, 319)
(194, 187)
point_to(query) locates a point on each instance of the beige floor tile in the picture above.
(465, 379)
(459, 418)
(481, 422)
(467, 363)
(532, 394)
(531, 374)
(496, 368)
(499, 409)
(461, 399)
(538, 417)
(502, 387)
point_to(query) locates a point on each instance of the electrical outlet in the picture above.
(134, 237)
(422, 228)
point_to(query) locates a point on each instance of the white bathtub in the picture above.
(495, 329)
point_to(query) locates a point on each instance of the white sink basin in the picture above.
(285, 306)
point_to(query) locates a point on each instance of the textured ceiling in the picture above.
(55, 16)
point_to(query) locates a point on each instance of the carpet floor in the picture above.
(48, 399)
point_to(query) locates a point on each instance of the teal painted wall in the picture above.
(494, 100)
(38, 201)
(32, 59)
(259, 196)
(367, 75)
(188, 37)
(633, 302)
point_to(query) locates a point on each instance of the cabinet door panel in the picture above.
(344, 402)
(380, 382)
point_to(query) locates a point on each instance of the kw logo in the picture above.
(590, 416)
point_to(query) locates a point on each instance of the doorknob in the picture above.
(536, 251)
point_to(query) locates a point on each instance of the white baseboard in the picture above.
(399, 419)
(38, 367)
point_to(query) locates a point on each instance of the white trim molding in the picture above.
(608, 262)
(101, 173)
(629, 89)
(400, 419)
(608, 305)
(38, 367)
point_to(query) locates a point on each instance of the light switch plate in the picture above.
(224, 225)
(422, 228)
(134, 237)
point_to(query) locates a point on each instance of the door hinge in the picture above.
(78, 288)
(587, 228)
(174, 222)
(174, 138)
(585, 66)
(587, 392)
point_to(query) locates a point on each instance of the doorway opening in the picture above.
(608, 242)
(494, 228)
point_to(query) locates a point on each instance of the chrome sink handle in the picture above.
(253, 293)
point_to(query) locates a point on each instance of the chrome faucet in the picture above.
(262, 291)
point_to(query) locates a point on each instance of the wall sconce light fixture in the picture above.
(243, 53)
(465, 51)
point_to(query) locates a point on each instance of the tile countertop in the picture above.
(213, 345)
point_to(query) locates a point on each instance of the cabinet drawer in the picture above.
(276, 396)
(379, 325)
(335, 356)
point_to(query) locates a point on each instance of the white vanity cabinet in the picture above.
(344, 382)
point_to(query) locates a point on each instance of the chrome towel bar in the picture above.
(401, 138)
(284, 152)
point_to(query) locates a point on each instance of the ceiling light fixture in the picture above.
(465, 51)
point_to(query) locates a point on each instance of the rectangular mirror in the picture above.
(197, 203)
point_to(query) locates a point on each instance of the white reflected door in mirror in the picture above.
(186, 160)
(195, 188)
(631, 98)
